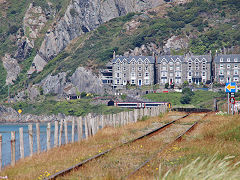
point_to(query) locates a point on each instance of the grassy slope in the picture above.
(74, 107)
(199, 99)
(214, 135)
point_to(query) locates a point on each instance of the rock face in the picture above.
(83, 16)
(176, 43)
(8, 114)
(81, 80)
(12, 67)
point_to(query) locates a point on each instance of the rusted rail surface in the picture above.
(178, 138)
(76, 166)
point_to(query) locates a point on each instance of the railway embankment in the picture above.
(214, 136)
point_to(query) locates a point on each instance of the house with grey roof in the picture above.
(197, 69)
(169, 69)
(134, 70)
(227, 68)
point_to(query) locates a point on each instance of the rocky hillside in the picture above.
(45, 42)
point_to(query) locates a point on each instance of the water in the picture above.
(5, 130)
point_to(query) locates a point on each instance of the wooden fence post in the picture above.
(86, 127)
(73, 129)
(38, 138)
(56, 134)
(60, 132)
(13, 140)
(21, 143)
(48, 136)
(0, 152)
(30, 135)
(66, 131)
(79, 128)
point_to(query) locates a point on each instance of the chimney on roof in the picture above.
(114, 54)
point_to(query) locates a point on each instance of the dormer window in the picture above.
(221, 59)
(235, 60)
(228, 59)
(139, 62)
(146, 62)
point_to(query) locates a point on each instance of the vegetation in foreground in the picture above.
(207, 149)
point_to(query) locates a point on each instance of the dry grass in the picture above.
(207, 139)
(58, 159)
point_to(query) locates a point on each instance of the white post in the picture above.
(21, 143)
(73, 130)
(30, 133)
(38, 138)
(56, 134)
(48, 136)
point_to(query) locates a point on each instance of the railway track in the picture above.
(146, 135)
(178, 138)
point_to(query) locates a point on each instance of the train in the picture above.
(138, 104)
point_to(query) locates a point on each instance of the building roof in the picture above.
(169, 58)
(132, 58)
(227, 58)
(198, 58)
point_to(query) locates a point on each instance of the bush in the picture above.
(166, 85)
(83, 94)
(185, 99)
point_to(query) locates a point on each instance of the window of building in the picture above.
(146, 74)
(189, 67)
(139, 74)
(139, 68)
(235, 66)
(197, 67)
(235, 79)
(228, 66)
(124, 68)
(118, 75)
(197, 73)
(203, 74)
(228, 72)
(228, 59)
(221, 79)
(204, 80)
(118, 63)
(189, 80)
(139, 62)
(221, 72)
(235, 72)
(146, 62)
(221, 66)
(163, 74)
(133, 62)
(118, 68)
(235, 60)
(124, 75)
(171, 67)
(204, 67)
(178, 68)
(146, 81)
(221, 59)
(171, 74)
(133, 74)
(146, 68)
(118, 82)
(133, 68)
(133, 81)
(190, 74)
(164, 68)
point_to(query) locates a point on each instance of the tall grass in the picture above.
(205, 168)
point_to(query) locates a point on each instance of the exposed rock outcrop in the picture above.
(12, 67)
(81, 80)
(83, 16)
(175, 43)
(8, 114)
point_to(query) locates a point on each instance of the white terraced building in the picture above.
(134, 70)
